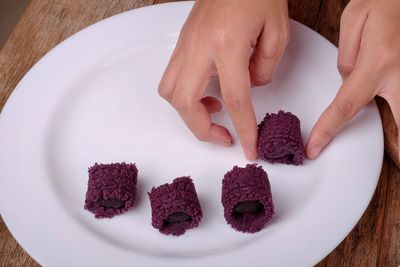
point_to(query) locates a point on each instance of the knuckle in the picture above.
(222, 38)
(181, 102)
(165, 91)
(233, 102)
(344, 109)
(281, 39)
(260, 79)
(352, 12)
(347, 15)
(323, 134)
(286, 35)
(274, 48)
(345, 68)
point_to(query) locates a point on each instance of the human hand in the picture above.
(216, 40)
(369, 63)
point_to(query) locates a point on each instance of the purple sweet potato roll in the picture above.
(111, 189)
(279, 139)
(246, 198)
(175, 207)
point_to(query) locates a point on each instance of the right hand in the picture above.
(217, 39)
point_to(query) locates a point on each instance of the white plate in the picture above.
(93, 99)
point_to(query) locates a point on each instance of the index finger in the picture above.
(188, 101)
(235, 84)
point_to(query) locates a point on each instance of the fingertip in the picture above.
(313, 152)
(250, 155)
(316, 144)
(260, 81)
(220, 135)
(250, 152)
(322, 133)
(248, 140)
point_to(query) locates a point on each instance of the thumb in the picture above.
(354, 94)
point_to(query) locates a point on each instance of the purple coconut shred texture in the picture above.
(111, 189)
(175, 207)
(247, 199)
(279, 139)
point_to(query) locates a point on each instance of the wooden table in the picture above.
(375, 241)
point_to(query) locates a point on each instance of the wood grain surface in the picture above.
(375, 241)
(389, 130)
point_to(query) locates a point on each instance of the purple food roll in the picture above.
(279, 139)
(246, 198)
(175, 207)
(111, 189)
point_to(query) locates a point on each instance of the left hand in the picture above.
(369, 63)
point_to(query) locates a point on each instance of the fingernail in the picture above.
(249, 153)
(227, 142)
(314, 152)
(223, 141)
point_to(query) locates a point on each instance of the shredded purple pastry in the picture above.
(111, 189)
(175, 207)
(279, 139)
(246, 198)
